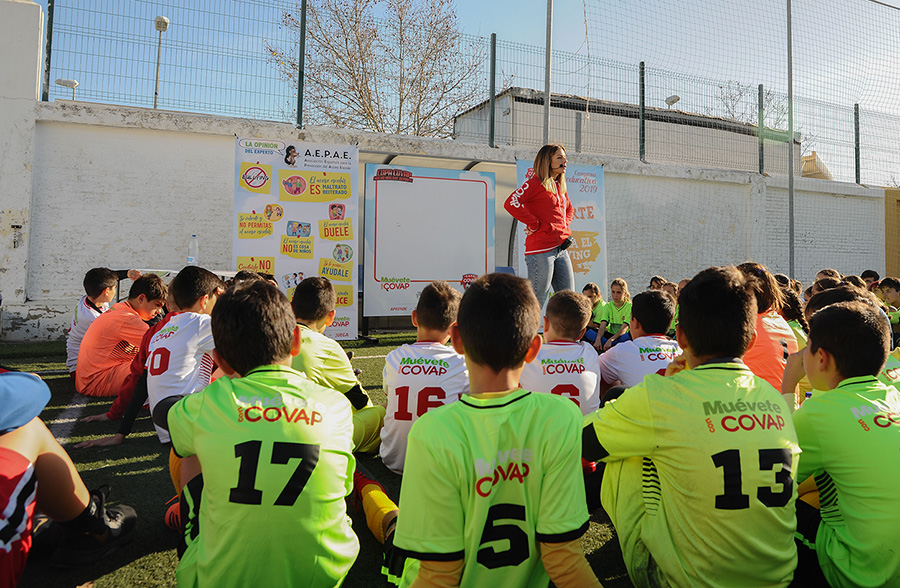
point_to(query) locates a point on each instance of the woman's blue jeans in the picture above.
(552, 268)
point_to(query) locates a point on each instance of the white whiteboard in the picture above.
(423, 225)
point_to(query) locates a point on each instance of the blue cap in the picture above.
(22, 397)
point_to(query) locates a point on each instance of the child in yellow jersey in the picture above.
(325, 362)
(698, 480)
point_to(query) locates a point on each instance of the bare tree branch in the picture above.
(408, 71)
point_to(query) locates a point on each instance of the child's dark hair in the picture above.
(654, 309)
(793, 308)
(313, 299)
(592, 288)
(193, 283)
(252, 326)
(826, 283)
(842, 293)
(498, 319)
(768, 293)
(870, 274)
(658, 280)
(98, 279)
(244, 276)
(892, 283)
(151, 286)
(569, 312)
(830, 273)
(437, 306)
(717, 312)
(855, 334)
(856, 281)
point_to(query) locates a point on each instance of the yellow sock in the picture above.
(377, 506)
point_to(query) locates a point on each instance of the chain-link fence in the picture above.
(682, 87)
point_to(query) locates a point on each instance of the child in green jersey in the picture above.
(698, 462)
(324, 361)
(850, 438)
(492, 490)
(275, 452)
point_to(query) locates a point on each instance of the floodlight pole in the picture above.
(790, 75)
(301, 65)
(547, 71)
(161, 23)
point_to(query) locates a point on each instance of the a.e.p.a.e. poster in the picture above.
(295, 216)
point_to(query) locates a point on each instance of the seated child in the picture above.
(616, 316)
(424, 375)
(492, 491)
(100, 286)
(565, 366)
(850, 438)
(113, 338)
(36, 471)
(649, 351)
(179, 356)
(775, 341)
(275, 451)
(325, 362)
(592, 291)
(698, 480)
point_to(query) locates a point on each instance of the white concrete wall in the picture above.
(94, 185)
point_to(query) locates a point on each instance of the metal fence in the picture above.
(215, 59)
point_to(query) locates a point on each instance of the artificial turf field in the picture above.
(138, 475)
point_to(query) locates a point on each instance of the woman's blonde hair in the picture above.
(542, 167)
(626, 295)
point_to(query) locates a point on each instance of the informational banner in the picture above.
(423, 225)
(588, 253)
(295, 216)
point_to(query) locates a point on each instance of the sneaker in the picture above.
(94, 534)
(45, 535)
(350, 354)
(173, 514)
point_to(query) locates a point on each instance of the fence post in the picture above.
(301, 65)
(45, 92)
(856, 140)
(492, 114)
(760, 130)
(643, 135)
(579, 123)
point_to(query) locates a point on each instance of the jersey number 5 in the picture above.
(248, 452)
(511, 534)
(733, 497)
(427, 398)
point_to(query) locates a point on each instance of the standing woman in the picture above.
(542, 205)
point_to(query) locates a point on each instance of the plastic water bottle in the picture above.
(193, 257)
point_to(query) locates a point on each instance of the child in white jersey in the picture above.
(100, 285)
(566, 366)
(179, 358)
(649, 351)
(424, 375)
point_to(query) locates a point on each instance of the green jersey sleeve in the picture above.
(810, 460)
(183, 417)
(431, 502)
(625, 426)
(562, 513)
